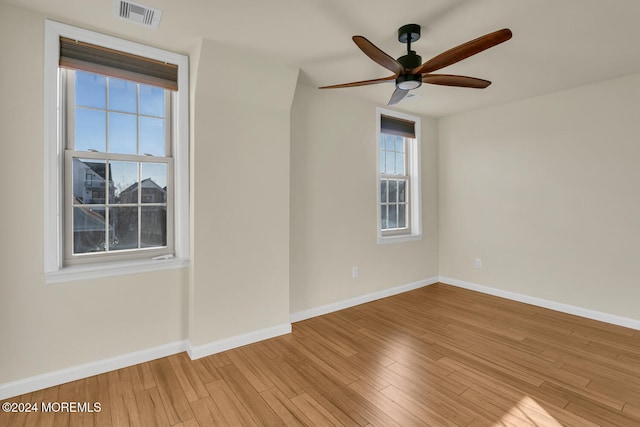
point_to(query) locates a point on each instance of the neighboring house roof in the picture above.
(147, 183)
(85, 219)
(98, 168)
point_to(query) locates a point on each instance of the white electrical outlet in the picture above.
(478, 262)
(354, 272)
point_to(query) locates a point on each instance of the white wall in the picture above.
(545, 191)
(51, 327)
(240, 280)
(333, 204)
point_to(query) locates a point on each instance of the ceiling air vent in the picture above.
(138, 13)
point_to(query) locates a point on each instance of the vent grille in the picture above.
(137, 13)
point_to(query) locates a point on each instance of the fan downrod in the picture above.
(407, 34)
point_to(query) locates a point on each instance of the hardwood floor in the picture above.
(438, 356)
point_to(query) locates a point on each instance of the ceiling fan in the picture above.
(408, 72)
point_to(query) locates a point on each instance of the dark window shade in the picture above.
(83, 56)
(396, 126)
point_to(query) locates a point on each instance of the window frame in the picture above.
(68, 107)
(413, 230)
(55, 268)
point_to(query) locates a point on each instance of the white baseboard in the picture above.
(341, 305)
(228, 343)
(50, 379)
(540, 302)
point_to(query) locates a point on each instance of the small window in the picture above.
(398, 177)
(394, 183)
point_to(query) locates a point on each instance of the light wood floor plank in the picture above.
(344, 398)
(379, 400)
(284, 407)
(189, 380)
(175, 401)
(316, 412)
(248, 396)
(151, 409)
(208, 413)
(229, 405)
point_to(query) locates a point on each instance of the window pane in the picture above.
(382, 162)
(124, 222)
(123, 95)
(383, 217)
(154, 226)
(91, 90)
(88, 181)
(89, 229)
(123, 133)
(399, 144)
(400, 164)
(402, 185)
(393, 216)
(390, 142)
(383, 191)
(151, 101)
(154, 183)
(402, 216)
(124, 177)
(393, 191)
(152, 136)
(90, 130)
(390, 168)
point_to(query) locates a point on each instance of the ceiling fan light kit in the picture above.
(409, 81)
(410, 73)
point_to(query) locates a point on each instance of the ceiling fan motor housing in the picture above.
(409, 62)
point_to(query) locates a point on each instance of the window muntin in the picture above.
(119, 169)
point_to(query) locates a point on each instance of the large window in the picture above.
(398, 177)
(116, 156)
(119, 168)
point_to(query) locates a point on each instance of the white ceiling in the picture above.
(557, 44)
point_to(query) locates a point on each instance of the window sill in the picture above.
(98, 271)
(383, 240)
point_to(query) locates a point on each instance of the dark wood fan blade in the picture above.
(375, 53)
(361, 83)
(451, 80)
(463, 51)
(398, 95)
